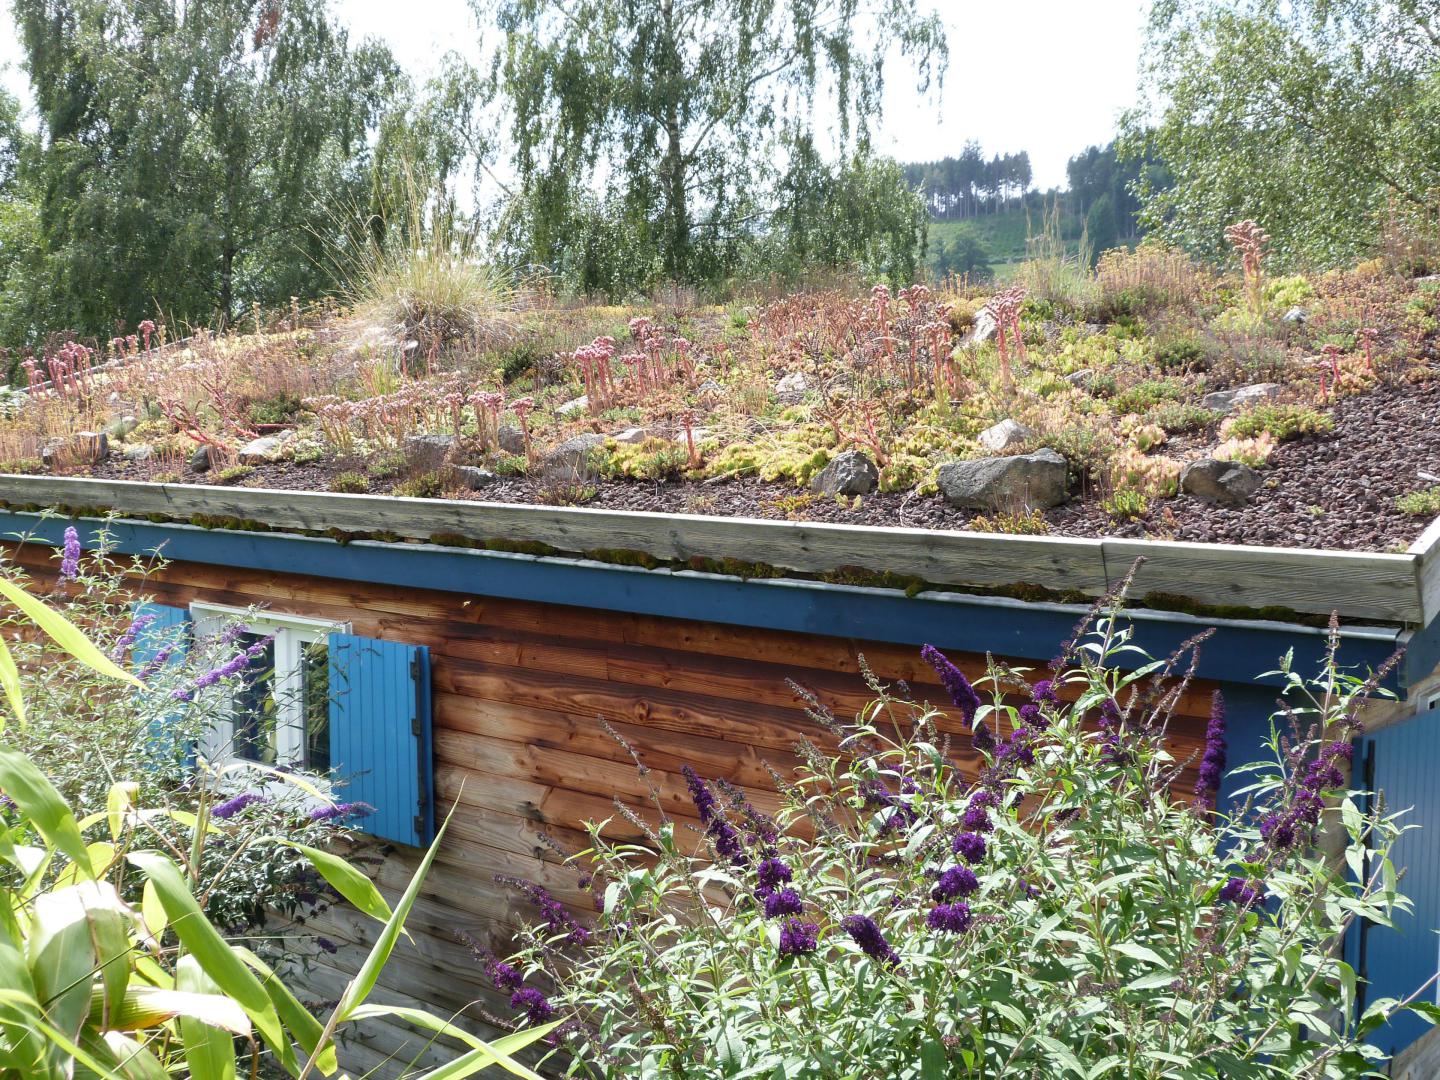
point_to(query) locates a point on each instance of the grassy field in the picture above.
(1002, 235)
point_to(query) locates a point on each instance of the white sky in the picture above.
(1047, 76)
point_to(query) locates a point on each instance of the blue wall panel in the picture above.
(1398, 960)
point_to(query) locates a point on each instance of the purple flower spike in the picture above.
(557, 918)
(70, 559)
(977, 819)
(970, 847)
(504, 976)
(954, 883)
(962, 694)
(132, 632)
(1239, 892)
(1212, 764)
(727, 841)
(798, 938)
(867, 934)
(341, 810)
(773, 873)
(536, 1005)
(783, 902)
(230, 807)
(949, 918)
(700, 794)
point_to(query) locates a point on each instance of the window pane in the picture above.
(254, 708)
(315, 673)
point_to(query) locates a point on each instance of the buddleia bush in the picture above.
(149, 737)
(111, 967)
(1080, 909)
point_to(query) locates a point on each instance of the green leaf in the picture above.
(75, 933)
(19, 1011)
(934, 1065)
(302, 1024)
(216, 957)
(209, 1049)
(1427, 1010)
(42, 806)
(152, 912)
(1062, 1054)
(150, 1006)
(348, 882)
(1138, 952)
(64, 633)
(499, 1053)
(118, 802)
(132, 1059)
(1347, 988)
(499, 1050)
(10, 680)
(363, 983)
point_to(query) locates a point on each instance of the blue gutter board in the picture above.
(1238, 651)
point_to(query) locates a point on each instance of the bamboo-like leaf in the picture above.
(84, 1056)
(359, 988)
(209, 1050)
(150, 1006)
(10, 680)
(210, 949)
(119, 800)
(152, 912)
(75, 933)
(98, 858)
(348, 882)
(484, 1053)
(306, 1029)
(497, 1053)
(64, 633)
(42, 805)
(19, 1009)
(133, 1059)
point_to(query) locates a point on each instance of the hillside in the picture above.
(1001, 237)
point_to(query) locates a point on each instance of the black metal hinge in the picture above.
(417, 728)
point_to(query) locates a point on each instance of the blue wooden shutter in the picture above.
(380, 734)
(1399, 763)
(171, 629)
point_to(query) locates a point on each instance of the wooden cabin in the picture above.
(473, 649)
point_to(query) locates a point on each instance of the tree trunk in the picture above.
(672, 168)
(227, 280)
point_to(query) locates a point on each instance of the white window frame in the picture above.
(292, 634)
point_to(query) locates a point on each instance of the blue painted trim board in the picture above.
(1238, 651)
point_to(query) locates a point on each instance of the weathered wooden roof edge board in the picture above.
(963, 621)
(1427, 571)
(1403, 588)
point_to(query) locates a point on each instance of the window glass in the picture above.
(254, 709)
(315, 705)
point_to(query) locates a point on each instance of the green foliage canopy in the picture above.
(189, 152)
(687, 122)
(1309, 116)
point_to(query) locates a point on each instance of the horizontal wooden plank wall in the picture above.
(1355, 584)
(519, 691)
